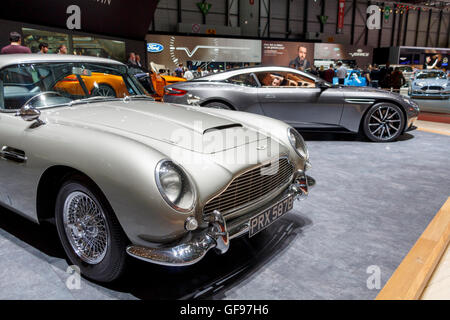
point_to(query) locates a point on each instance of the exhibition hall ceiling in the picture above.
(428, 3)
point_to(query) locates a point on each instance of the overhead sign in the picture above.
(106, 17)
(154, 47)
(204, 7)
(195, 28)
(181, 49)
(341, 15)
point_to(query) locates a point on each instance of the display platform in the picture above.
(371, 203)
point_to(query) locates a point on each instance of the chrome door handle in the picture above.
(270, 96)
(12, 154)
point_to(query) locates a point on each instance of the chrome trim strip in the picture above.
(359, 101)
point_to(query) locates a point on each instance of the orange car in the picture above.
(152, 81)
(97, 84)
(159, 82)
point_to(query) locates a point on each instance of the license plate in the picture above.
(266, 218)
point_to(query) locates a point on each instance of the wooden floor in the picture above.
(413, 275)
(438, 288)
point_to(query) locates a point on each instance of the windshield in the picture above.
(431, 75)
(68, 82)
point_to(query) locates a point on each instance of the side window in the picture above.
(284, 79)
(18, 85)
(246, 80)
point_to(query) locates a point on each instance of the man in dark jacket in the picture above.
(15, 45)
(328, 75)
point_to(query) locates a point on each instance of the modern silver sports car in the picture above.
(163, 183)
(430, 84)
(302, 100)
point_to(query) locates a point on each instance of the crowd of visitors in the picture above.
(385, 77)
(15, 46)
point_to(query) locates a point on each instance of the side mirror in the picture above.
(30, 113)
(321, 85)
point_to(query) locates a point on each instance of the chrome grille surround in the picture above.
(250, 187)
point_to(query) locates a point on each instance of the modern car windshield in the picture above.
(431, 75)
(67, 81)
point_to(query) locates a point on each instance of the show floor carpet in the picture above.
(371, 203)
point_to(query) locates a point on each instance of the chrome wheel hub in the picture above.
(86, 227)
(385, 123)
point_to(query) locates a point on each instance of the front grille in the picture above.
(432, 88)
(251, 186)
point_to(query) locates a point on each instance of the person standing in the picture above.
(188, 75)
(375, 76)
(62, 49)
(366, 74)
(15, 45)
(341, 73)
(43, 48)
(132, 59)
(179, 71)
(138, 60)
(328, 74)
(397, 79)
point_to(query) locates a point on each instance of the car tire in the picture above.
(84, 215)
(104, 90)
(383, 122)
(217, 105)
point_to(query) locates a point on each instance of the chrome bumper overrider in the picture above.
(217, 235)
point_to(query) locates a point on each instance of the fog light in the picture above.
(191, 224)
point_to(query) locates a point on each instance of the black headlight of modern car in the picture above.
(411, 103)
(298, 143)
(175, 186)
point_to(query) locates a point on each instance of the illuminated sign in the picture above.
(154, 47)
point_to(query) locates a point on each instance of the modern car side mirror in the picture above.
(30, 113)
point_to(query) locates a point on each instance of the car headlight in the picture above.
(411, 102)
(298, 143)
(175, 186)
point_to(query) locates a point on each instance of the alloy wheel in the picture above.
(385, 122)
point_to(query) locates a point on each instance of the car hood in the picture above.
(186, 127)
(430, 82)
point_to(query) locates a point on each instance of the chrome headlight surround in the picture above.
(298, 143)
(175, 186)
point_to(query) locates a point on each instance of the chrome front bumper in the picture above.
(217, 235)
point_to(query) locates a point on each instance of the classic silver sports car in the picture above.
(430, 84)
(302, 100)
(164, 183)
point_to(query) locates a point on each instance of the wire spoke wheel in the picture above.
(86, 227)
(385, 122)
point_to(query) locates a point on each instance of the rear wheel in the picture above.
(384, 122)
(89, 231)
(104, 90)
(218, 105)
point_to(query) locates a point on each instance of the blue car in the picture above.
(354, 78)
(430, 84)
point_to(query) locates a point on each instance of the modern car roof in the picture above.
(227, 74)
(11, 59)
